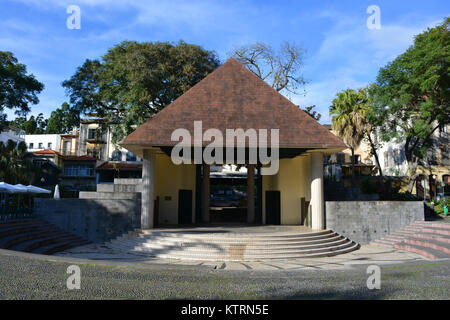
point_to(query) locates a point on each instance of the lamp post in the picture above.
(435, 185)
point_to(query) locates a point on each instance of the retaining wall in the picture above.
(365, 221)
(96, 220)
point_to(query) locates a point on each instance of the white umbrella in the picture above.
(20, 188)
(56, 194)
(9, 188)
(33, 189)
(5, 187)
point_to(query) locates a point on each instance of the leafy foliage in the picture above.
(133, 81)
(62, 120)
(16, 164)
(412, 93)
(31, 125)
(313, 114)
(352, 120)
(17, 88)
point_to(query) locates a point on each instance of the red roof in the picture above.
(233, 97)
(45, 152)
(80, 158)
(120, 166)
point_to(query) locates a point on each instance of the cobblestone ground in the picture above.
(32, 278)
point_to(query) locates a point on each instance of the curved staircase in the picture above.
(36, 236)
(211, 246)
(427, 238)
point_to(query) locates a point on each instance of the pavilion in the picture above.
(233, 97)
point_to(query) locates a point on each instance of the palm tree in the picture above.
(348, 119)
(16, 164)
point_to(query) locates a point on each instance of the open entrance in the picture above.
(228, 195)
(228, 191)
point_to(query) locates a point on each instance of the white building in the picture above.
(37, 142)
(14, 134)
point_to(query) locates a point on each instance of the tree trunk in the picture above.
(374, 153)
(353, 167)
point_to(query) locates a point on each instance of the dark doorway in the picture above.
(185, 207)
(273, 207)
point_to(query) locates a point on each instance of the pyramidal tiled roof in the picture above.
(233, 97)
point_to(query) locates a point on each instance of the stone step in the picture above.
(36, 236)
(253, 245)
(110, 195)
(222, 246)
(130, 240)
(324, 253)
(8, 224)
(431, 237)
(416, 250)
(246, 248)
(127, 181)
(52, 240)
(430, 245)
(118, 188)
(60, 246)
(29, 237)
(233, 236)
(11, 233)
(430, 224)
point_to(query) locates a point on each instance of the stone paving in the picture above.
(367, 254)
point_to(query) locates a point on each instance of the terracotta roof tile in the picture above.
(233, 97)
(43, 152)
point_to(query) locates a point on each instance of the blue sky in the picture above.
(341, 52)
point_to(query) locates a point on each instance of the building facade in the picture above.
(232, 97)
(37, 142)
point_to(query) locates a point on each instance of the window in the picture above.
(67, 146)
(31, 145)
(131, 156)
(386, 159)
(91, 134)
(78, 170)
(49, 145)
(397, 158)
(41, 145)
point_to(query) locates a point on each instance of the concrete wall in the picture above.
(94, 220)
(293, 180)
(171, 178)
(365, 221)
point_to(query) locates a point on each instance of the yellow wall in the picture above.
(170, 178)
(294, 182)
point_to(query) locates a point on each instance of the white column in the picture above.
(205, 193)
(317, 197)
(251, 193)
(148, 189)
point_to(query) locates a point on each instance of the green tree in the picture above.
(348, 113)
(411, 96)
(313, 114)
(31, 125)
(134, 81)
(16, 164)
(62, 120)
(17, 88)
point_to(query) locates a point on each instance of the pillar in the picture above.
(205, 193)
(251, 193)
(317, 197)
(148, 189)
